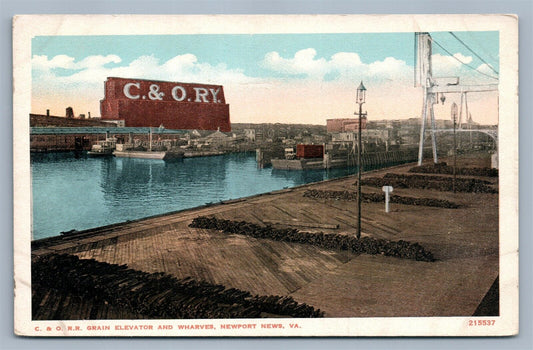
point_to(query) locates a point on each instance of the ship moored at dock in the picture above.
(103, 147)
(161, 155)
(127, 150)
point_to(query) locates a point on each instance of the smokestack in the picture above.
(47, 112)
(69, 112)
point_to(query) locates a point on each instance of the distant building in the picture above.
(319, 138)
(376, 135)
(343, 137)
(380, 124)
(345, 124)
(220, 139)
(195, 134)
(119, 123)
(249, 134)
(259, 136)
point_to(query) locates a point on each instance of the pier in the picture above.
(463, 240)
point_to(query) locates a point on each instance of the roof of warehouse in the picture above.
(101, 130)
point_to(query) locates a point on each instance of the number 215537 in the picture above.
(481, 322)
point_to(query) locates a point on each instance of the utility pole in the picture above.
(454, 118)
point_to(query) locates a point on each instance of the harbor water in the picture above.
(78, 193)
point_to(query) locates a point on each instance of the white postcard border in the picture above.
(26, 27)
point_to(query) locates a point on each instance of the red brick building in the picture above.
(151, 103)
(345, 124)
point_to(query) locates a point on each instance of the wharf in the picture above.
(464, 242)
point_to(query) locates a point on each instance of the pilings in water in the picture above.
(264, 157)
(260, 158)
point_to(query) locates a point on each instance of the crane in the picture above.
(432, 87)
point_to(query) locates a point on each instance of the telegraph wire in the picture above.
(481, 59)
(466, 64)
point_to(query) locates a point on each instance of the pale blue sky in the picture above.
(303, 78)
(246, 51)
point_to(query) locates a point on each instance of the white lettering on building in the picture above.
(179, 93)
(127, 90)
(201, 93)
(183, 93)
(215, 93)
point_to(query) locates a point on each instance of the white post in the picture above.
(422, 129)
(424, 79)
(387, 190)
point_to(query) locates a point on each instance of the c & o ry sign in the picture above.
(178, 93)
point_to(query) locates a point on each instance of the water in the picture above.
(81, 193)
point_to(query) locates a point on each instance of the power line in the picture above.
(466, 64)
(481, 59)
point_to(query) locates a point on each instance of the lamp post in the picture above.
(360, 99)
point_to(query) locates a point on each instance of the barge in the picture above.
(307, 157)
(308, 163)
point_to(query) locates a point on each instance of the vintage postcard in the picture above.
(285, 175)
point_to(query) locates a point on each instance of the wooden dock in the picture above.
(343, 284)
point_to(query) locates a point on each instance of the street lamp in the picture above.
(360, 99)
(361, 94)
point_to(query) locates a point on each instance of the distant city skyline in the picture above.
(276, 78)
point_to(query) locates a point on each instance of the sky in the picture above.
(276, 78)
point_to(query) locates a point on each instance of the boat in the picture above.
(127, 150)
(160, 151)
(103, 147)
(297, 164)
(193, 154)
(161, 155)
